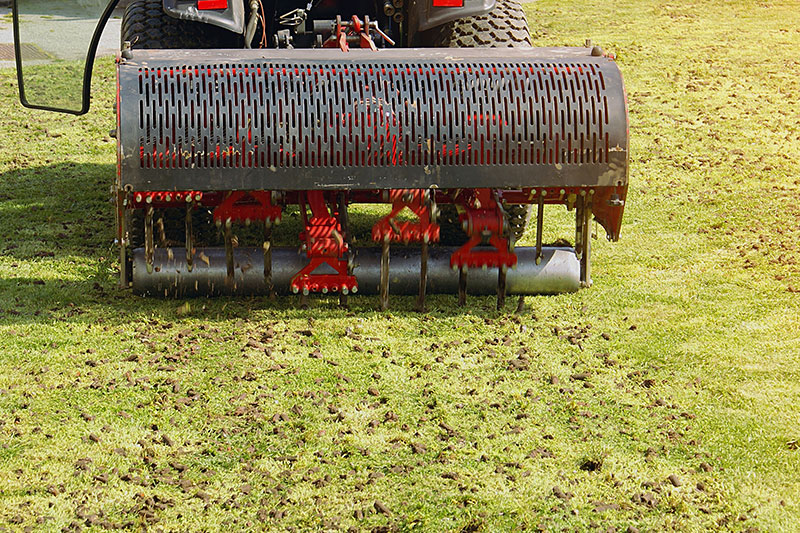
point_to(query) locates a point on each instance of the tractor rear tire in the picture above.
(146, 26)
(505, 27)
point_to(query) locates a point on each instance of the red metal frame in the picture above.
(389, 229)
(244, 206)
(325, 245)
(608, 203)
(483, 221)
(355, 27)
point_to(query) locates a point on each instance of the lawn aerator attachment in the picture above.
(462, 144)
(245, 134)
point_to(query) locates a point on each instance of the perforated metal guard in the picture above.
(210, 120)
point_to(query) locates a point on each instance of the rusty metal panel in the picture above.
(323, 119)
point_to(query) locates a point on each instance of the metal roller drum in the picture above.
(208, 120)
(558, 271)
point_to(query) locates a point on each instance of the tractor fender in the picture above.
(423, 16)
(231, 18)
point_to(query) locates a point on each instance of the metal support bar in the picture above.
(462, 286)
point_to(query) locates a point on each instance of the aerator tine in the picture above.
(326, 158)
(267, 246)
(149, 246)
(423, 230)
(229, 264)
(344, 223)
(580, 219)
(189, 241)
(462, 286)
(429, 200)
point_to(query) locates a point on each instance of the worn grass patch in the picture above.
(664, 398)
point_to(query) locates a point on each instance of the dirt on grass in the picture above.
(663, 398)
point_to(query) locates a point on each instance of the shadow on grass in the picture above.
(56, 211)
(59, 262)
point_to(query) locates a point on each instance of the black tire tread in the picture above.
(518, 217)
(146, 26)
(505, 27)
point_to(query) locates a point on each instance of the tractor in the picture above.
(233, 113)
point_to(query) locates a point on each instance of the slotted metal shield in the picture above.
(324, 119)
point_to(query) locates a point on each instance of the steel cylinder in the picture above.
(559, 271)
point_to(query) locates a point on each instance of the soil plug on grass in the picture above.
(675, 480)
(560, 494)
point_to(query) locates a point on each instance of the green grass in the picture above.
(249, 414)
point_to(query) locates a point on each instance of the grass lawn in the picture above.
(666, 397)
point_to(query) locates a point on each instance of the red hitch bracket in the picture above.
(484, 221)
(419, 202)
(324, 245)
(248, 206)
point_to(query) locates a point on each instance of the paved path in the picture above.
(63, 44)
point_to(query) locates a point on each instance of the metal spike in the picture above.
(384, 288)
(520, 305)
(268, 255)
(149, 247)
(189, 241)
(501, 286)
(229, 252)
(539, 227)
(162, 235)
(423, 277)
(462, 286)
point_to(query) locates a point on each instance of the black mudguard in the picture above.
(232, 18)
(423, 16)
